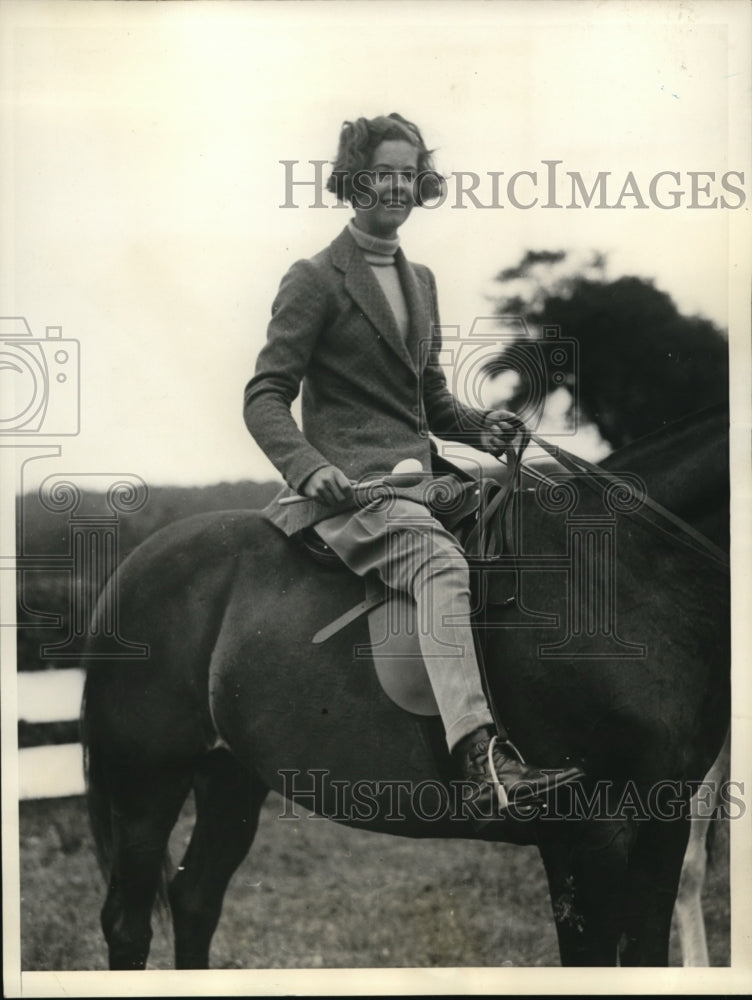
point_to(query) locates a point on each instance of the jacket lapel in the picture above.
(365, 290)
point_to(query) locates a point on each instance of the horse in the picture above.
(630, 679)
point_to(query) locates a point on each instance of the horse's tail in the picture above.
(99, 799)
(97, 796)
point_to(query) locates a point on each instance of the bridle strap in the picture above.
(501, 501)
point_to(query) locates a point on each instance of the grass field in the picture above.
(313, 894)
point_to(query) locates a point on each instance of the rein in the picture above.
(488, 540)
(593, 475)
(488, 527)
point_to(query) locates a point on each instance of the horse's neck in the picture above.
(685, 468)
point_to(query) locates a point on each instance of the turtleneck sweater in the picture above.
(379, 253)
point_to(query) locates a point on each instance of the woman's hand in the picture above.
(327, 485)
(501, 430)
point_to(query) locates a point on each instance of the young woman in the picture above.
(352, 325)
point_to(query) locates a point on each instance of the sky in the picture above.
(143, 183)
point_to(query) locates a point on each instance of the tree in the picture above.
(640, 362)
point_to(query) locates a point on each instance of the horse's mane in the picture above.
(679, 429)
(685, 466)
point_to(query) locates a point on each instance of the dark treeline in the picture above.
(44, 592)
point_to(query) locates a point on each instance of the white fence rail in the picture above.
(50, 771)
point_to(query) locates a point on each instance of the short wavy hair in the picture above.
(359, 139)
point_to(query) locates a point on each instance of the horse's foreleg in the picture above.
(586, 868)
(228, 803)
(654, 868)
(143, 814)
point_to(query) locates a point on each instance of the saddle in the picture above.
(480, 522)
(484, 524)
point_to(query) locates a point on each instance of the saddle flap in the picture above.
(396, 655)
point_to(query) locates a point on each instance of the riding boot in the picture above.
(501, 778)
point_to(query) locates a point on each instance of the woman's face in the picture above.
(384, 198)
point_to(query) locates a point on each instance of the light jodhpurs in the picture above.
(412, 552)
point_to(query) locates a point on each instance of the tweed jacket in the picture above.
(369, 397)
